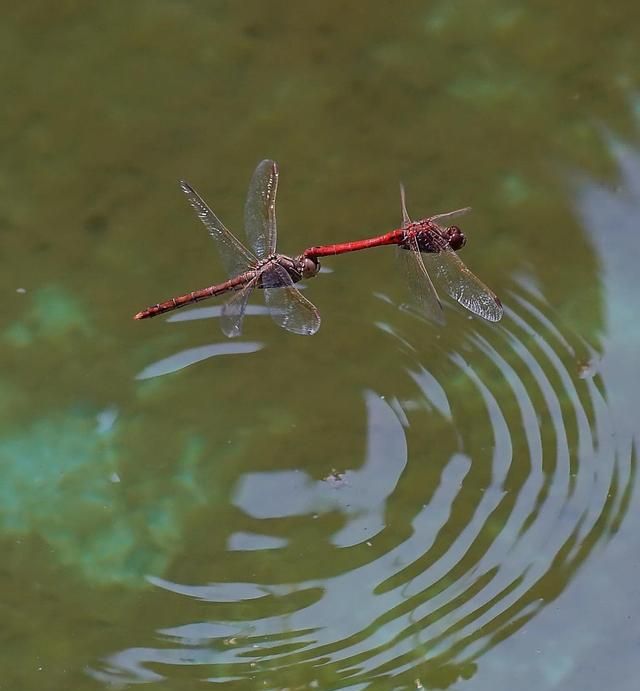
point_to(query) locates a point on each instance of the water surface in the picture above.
(385, 505)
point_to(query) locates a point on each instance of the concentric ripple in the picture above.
(430, 553)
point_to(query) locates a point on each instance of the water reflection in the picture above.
(358, 495)
(196, 313)
(190, 356)
(445, 537)
(576, 642)
(609, 214)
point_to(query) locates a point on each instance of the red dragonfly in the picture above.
(274, 273)
(427, 244)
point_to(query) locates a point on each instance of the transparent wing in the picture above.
(462, 285)
(260, 209)
(406, 220)
(287, 306)
(420, 283)
(234, 308)
(235, 256)
(439, 218)
(447, 216)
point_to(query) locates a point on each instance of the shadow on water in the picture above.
(428, 554)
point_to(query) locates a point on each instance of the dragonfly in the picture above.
(261, 267)
(427, 248)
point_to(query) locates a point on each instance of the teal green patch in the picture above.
(484, 89)
(60, 480)
(514, 189)
(53, 313)
(18, 335)
(57, 312)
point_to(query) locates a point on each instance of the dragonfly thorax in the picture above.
(297, 269)
(430, 237)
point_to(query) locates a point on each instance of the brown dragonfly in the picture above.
(428, 248)
(261, 268)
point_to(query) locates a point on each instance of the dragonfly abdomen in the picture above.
(196, 296)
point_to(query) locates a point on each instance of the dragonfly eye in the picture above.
(310, 267)
(456, 237)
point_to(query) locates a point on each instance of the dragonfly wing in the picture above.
(234, 254)
(233, 310)
(287, 305)
(446, 217)
(406, 220)
(464, 286)
(260, 209)
(420, 283)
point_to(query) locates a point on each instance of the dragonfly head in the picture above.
(309, 265)
(455, 237)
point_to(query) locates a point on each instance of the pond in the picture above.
(390, 503)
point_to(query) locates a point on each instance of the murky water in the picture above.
(387, 504)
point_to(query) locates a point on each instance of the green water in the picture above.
(387, 504)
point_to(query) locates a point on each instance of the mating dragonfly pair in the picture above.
(426, 247)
